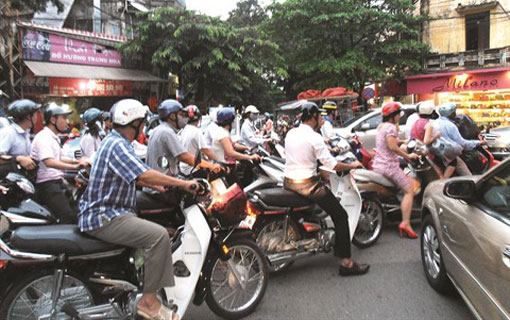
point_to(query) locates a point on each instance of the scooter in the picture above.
(58, 272)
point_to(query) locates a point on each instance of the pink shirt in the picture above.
(46, 145)
(385, 158)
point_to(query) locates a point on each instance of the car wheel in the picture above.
(431, 258)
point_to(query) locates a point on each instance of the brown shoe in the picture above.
(354, 270)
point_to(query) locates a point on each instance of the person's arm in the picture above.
(65, 164)
(324, 156)
(190, 159)
(240, 147)
(393, 146)
(155, 178)
(229, 151)
(455, 135)
(249, 136)
(430, 136)
(210, 155)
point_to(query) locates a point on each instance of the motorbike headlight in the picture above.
(26, 186)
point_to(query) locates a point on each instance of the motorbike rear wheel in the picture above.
(370, 224)
(31, 297)
(235, 287)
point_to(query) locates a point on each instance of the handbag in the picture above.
(445, 148)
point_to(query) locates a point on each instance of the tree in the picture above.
(215, 61)
(247, 13)
(329, 43)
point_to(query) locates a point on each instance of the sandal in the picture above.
(164, 313)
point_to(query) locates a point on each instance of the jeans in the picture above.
(318, 193)
(52, 194)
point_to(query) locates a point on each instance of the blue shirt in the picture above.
(450, 131)
(248, 135)
(111, 191)
(15, 141)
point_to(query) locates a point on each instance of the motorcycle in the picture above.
(57, 272)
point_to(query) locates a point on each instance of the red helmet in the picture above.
(390, 108)
(193, 112)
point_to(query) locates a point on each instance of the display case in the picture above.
(487, 108)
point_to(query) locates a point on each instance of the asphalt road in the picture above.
(395, 288)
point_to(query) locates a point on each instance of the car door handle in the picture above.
(506, 252)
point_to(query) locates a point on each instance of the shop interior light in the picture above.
(91, 85)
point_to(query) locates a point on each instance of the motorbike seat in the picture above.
(145, 202)
(58, 239)
(366, 176)
(279, 197)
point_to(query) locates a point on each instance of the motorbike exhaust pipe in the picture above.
(277, 258)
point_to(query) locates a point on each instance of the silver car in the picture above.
(498, 141)
(465, 240)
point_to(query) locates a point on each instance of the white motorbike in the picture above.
(60, 273)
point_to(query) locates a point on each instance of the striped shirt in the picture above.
(111, 191)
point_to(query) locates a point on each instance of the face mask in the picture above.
(253, 116)
(182, 122)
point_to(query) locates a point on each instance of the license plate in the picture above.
(248, 222)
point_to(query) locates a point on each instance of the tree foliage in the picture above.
(215, 61)
(327, 43)
(35, 5)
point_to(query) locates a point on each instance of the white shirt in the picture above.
(410, 123)
(303, 148)
(217, 135)
(89, 145)
(208, 133)
(327, 130)
(248, 136)
(192, 139)
(46, 145)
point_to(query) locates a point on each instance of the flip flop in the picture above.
(164, 313)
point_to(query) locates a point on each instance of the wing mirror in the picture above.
(163, 162)
(364, 127)
(460, 189)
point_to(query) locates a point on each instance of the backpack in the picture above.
(467, 127)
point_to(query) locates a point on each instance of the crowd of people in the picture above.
(107, 208)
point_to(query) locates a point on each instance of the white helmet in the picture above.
(252, 109)
(426, 108)
(127, 110)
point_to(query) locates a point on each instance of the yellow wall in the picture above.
(448, 35)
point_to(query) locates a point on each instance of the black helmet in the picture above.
(106, 116)
(169, 106)
(20, 109)
(309, 110)
(54, 110)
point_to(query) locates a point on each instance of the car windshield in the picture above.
(348, 122)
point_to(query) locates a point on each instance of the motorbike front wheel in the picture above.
(235, 287)
(370, 224)
(31, 298)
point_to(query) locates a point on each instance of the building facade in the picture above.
(469, 62)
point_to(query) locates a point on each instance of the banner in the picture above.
(42, 46)
(87, 88)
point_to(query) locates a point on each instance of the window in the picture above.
(478, 31)
(496, 191)
(373, 121)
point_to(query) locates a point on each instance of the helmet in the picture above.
(225, 116)
(91, 116)
(391, 108)
(308, 110)
(329, 105)
(193, 113)
(106, 116)
(54, 110)
(446, 109)
(126, 111)
(251, 109)
(19, 109)
(169, 106)
(426, 108)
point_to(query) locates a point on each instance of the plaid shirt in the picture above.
(111, 191)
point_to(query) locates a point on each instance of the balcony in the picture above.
(474, 59)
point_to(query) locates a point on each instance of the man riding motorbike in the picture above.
(15, 140)
(107, 208)
(304, 146)
(46, 148)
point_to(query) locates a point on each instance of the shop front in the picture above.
(483, 94)
(81, 70)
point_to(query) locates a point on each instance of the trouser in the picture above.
(317, 192)
(53, 195)
(131, 231)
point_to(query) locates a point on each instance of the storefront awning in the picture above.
(62, 70)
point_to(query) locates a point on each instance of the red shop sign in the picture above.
(86, 87)
(461, 82)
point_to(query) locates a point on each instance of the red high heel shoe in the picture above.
(406, 232)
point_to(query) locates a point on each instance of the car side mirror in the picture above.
(460, 189)
(365, 127)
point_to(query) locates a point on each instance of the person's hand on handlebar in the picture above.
(483, 143)
(26, 162)
(413, 156)
(356, 165)
(255, 157)
(216, 168)
(191, 186)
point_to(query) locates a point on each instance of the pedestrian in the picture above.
(304, 148)
(386, 163)
(46, 148)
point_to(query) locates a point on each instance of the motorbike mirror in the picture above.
(163, 162)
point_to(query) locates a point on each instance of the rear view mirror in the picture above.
(163, 162)
(460, 189)
(365, 127)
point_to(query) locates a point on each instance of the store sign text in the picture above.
(88, 88)
(43, 46)
(458, 84)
